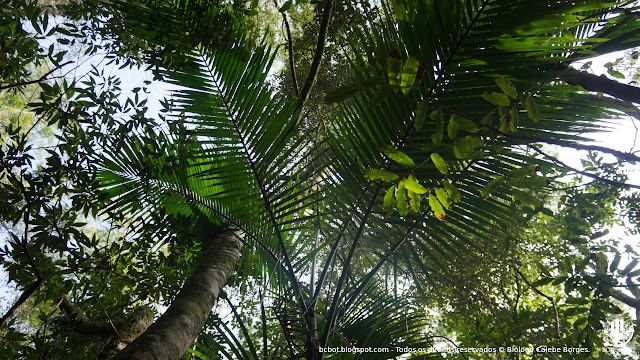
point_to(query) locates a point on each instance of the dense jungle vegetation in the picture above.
(309, 179)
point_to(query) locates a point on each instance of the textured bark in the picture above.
(123, 331)
(170, 336)
(312, 345)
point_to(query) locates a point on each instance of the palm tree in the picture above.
(435, 145)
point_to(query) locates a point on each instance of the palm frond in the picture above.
(382, 321)
(464, 46)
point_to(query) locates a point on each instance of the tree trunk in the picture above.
(170, 336)
(312, 346)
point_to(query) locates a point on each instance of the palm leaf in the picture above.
(378, 321)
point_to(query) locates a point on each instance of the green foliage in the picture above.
(315, 189)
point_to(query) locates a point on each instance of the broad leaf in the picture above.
(507, 87)
(454, 194)
(452, 128)
(438, 118)
(436, 207)
(496, 98)
(380, 174)
(464, 124)
(388, 203)
(409, 72)
(421, 115)
(410, 183)
(401, 201)
(532, 109)
(491, 186)
(398, 156)
(439, 162)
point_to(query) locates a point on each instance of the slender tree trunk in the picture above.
(170, 336)
(312, 346)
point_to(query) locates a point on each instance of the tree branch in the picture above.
(26, 294)
(40, 79)
(290, 47)
(71, 309)
(585, 173)
(170, 336)
(44, 329)
(553, 303)
(317, 59)
(601, 84)
(627, 107)
(619, 154)
(532, 139)
(631, 301)
(83, 325)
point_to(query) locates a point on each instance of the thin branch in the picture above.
(631, 301)
(628, 107)
(345, 270)
(585, 173)
(290, 48)
(619, 154)
(44, 329)
(531, 139)
(113, 326)
(263, 319)
(553, 302)
(626, 286)
(327, 265)
(374, 271)
(313, 71)
(601, 84)
(40, 79)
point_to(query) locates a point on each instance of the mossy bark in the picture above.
(170, 336)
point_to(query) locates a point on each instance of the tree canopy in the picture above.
(375, 181)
